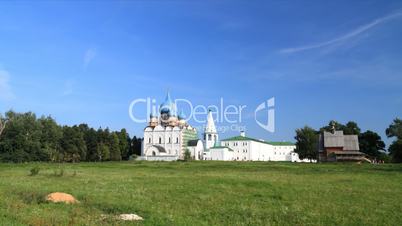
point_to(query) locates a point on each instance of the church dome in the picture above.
(168, 106)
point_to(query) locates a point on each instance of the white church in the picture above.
(167, 137)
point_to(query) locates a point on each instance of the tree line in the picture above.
(25, 137)
(370, 142)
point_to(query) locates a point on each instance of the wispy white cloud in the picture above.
(6, 93)
(344, 37)
(89, 56)
(381, 70)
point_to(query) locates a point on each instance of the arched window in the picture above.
(153, 153)
(149, 140)
(160, 140)
(177, 140)
(169, 140)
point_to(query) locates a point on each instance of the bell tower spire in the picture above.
(210, 133)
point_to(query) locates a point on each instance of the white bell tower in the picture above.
(210, 135)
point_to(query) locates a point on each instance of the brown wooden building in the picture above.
(337, 147)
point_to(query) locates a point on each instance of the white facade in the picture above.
(242, 148)
(249, 149)
(221, 154)
(170, 139)
(168, 136)
(196, 149)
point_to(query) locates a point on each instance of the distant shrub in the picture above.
(187, 155)
(34, 171)
(133, 157)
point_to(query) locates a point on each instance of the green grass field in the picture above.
(204, 193)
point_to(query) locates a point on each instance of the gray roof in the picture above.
(351, 143)
(333, 139)
(337, 139)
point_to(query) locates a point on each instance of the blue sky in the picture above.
(86, 61)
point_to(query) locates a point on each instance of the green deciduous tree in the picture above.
(103, 152)
(331, 124)
(28, 138)
(307, 143)
(351, 128)
(135, 147)
(51, 137)
(124, 144)
(395, 130)
(21, 139)
(115, 154)
(91, 141)
(395, 151)
(371, 144)
(73, 144)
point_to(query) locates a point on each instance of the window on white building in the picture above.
(160, 140)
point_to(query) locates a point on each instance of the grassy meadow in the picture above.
(203, 193)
